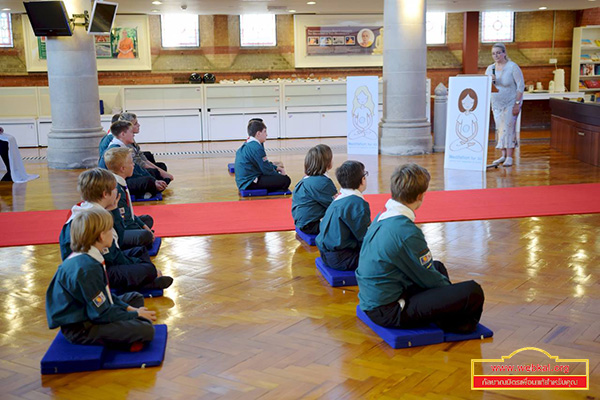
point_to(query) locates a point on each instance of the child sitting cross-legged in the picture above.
(400, 285)
(137, 230)
(129, 269)
(315, 192)
(79, 300)
(346, 220)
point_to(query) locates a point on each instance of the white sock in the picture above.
(500, 160)
(508, 162)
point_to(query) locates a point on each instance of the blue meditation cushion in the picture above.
(231, 168)
(307, 237)
(334, 276)
(262, 192)
(253, 193)
(151, 355)
(403, 338)
(63, 357)
(157, 197)
(155, 247)
(280, 193)
(481, 332)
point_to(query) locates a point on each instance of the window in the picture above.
(180, 30)
(258, 30)
(6, 37)
(436, 27)
(497, 26)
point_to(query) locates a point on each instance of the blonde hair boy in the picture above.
(87, 227)
(116, 157)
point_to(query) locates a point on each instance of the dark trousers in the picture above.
(118, 334)
(150, 157)
(311, 228)
(4, 154)
(273, 183)
(140, 185)
(139, 237)
(156, 175)
(342, 260)
(128, 277)
(454, 308)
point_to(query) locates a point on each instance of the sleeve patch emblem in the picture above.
(426, 259)
(122, 211)
(264, 159)
(99, 299)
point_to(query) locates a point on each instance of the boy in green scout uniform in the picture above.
(400, 285)
(346, 220)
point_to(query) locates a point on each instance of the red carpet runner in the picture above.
(43, 227)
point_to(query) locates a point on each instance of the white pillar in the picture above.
(440, 113)
(404, 129)
(73, 81)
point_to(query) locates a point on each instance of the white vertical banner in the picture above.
(468, 122)
(362, 97)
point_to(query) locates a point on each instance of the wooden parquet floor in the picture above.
(249, 317)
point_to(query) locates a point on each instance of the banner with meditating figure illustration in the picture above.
(468, 122)
(362, 115)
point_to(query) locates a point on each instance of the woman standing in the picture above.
(506, 103)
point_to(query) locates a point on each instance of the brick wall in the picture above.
(591, 16)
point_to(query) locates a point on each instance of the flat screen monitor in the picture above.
(48, 18)
(101, 20)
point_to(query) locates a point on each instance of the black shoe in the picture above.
(162, 282)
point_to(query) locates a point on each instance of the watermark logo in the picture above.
(551, 373)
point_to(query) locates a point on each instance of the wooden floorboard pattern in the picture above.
(249, 317)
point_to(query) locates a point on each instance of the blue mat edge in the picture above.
(158, 197)
(308, 238)
(262, 193)
(345, 278)
(155, 247)
(93, 363)
(434, 336)
(482, 332)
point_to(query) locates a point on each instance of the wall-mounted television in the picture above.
(102, 18)
(48, 18)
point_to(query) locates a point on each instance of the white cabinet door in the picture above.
(333, 123)
(43, 131)
(302, 124)
(227, 127)
(183, 128)
(25, 132)
(152, 129)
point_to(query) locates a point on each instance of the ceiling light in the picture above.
(6, 9)
(311, 3)
(292, 11)
(157, 3)
(155, 11)
(543, 8)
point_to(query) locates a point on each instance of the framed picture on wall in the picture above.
(338, 40)
(124, 43)
(126, 49)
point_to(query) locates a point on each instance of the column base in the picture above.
(74, 150)
(405, 139)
